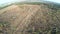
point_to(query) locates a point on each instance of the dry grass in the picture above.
(30, 19)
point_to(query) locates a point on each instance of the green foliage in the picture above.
(4, 27)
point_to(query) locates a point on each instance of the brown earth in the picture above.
(29, 19)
